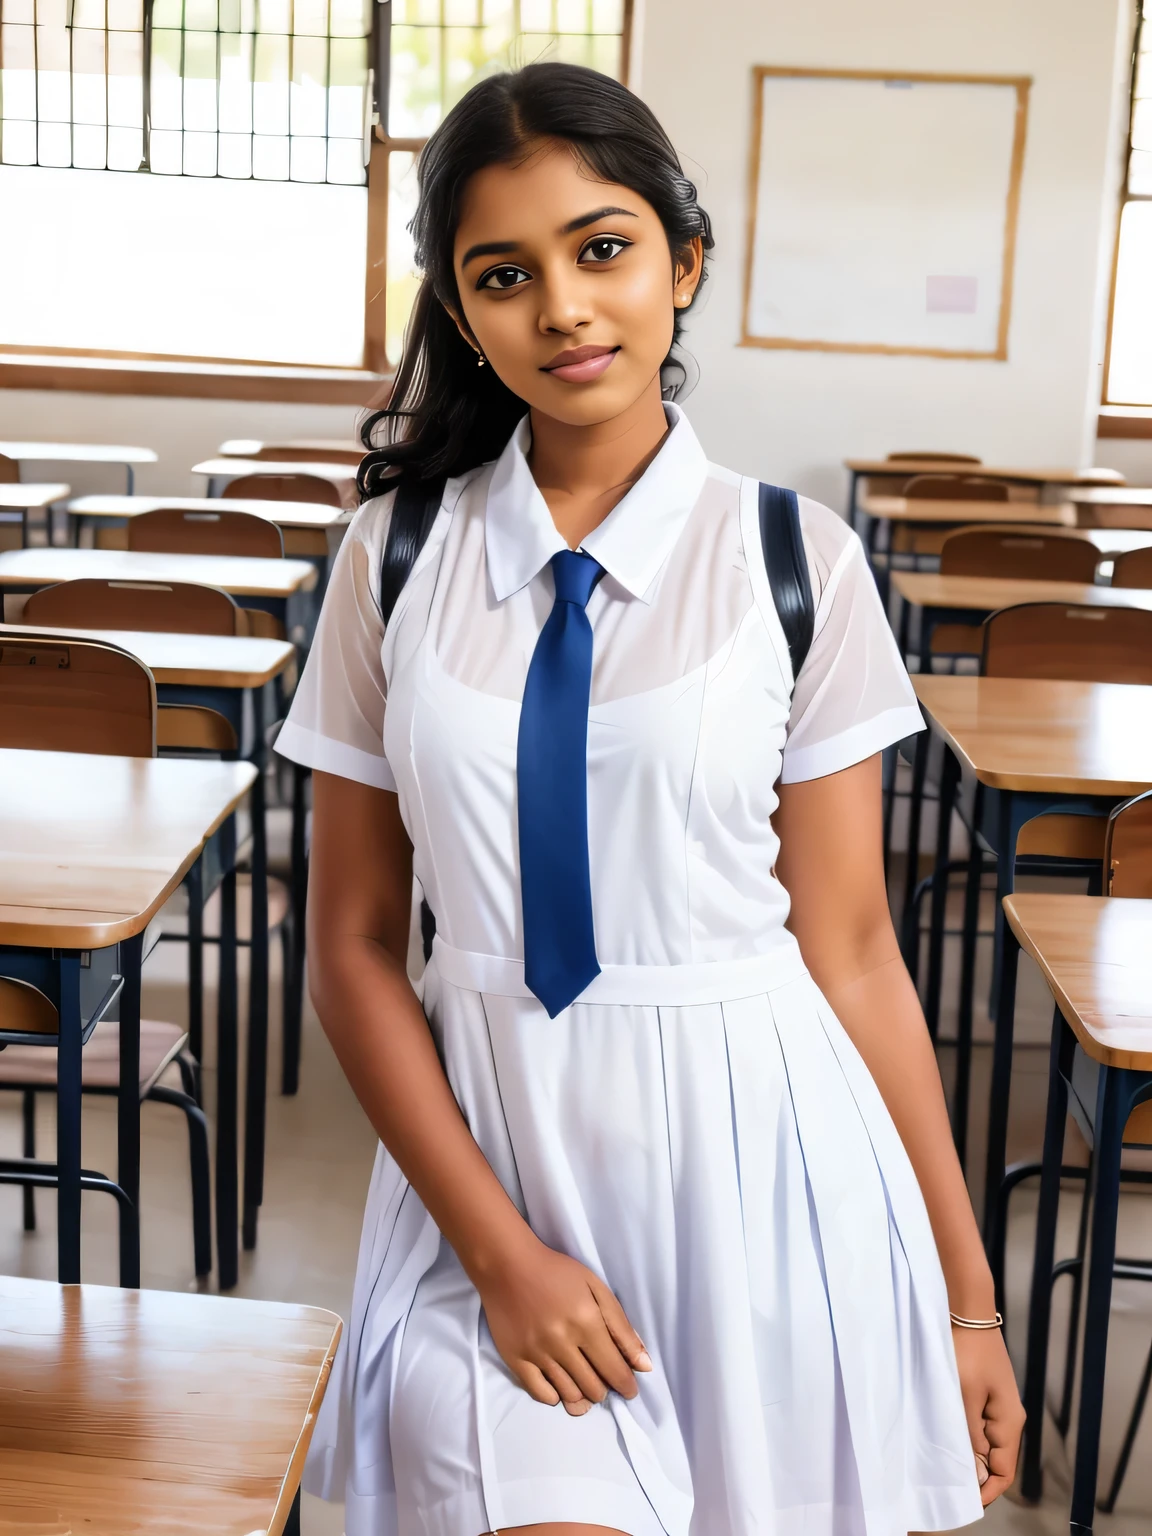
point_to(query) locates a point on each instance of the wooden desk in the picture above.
(1032, 476)
(81, 453)
(905, 509)
(155, 1412)
(1111, 496)
(1096, 959)
(28, 496)
(342, 476)
(90, 849)
(26, 570)
(1094, 955)
(323, 450)
(190, 661)
(285, 514)
(1043, 736)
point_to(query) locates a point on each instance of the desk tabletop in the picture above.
(1093, 951)
(1045, 736)
(286, 514)
(253, 447)
(239, 575)
(91, 847)
(155, 1412)
(193, 661)
(340, 475)
(27, 495)
(997, 472)
(987, 594)
(1112, 496)
(79, 453)
(905, 509)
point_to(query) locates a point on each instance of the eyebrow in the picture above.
(510, 247)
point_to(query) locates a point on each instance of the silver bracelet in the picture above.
(976, 1322)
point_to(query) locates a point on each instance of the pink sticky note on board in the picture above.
(951, 295)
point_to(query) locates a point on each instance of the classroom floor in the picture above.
(320, 1151)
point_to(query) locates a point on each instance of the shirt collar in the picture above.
(631, 543)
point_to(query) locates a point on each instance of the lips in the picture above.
(580, 365)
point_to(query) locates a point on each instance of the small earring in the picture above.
(480, 359)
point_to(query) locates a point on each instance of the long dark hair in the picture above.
(444, 414)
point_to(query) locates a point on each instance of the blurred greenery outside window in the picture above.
(1129, 373)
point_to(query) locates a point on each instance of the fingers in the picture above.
(536, 1384)
(624, 1336)
(568, 1390)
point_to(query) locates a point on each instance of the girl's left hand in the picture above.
(992, 1404)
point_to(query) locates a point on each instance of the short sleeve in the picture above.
(336, 722)
(853, 696)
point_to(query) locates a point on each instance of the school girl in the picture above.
(666, 1235)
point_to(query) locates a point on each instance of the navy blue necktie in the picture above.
(552, 793)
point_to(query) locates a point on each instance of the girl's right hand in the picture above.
(560, 1330)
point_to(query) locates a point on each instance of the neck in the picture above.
(582, 472)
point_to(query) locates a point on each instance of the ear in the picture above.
(687, 270)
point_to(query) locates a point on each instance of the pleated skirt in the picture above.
(730, 1170)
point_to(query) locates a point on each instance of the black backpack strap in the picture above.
(787, 566)
(413, 513)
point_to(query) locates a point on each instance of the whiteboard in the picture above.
(883, 211)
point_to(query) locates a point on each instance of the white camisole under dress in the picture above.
(697, 1128)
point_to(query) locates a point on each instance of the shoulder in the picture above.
(830, 545)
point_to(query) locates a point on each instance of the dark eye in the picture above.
(603, 248)
(504, 277)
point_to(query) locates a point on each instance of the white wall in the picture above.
(794, 416)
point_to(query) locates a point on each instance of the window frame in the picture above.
(116, 372)
(1115, 409)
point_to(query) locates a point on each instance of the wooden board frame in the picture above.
(1020, 83)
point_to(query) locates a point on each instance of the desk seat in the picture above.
(34, 1066)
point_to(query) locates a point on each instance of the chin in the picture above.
(586, 405)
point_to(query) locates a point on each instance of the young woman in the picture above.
(665, 1225)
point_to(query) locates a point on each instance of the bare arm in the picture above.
(539, 1304)
(831, 864)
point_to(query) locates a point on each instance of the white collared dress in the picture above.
(696, 1128)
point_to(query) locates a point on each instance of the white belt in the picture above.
(653, 986)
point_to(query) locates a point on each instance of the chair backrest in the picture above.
(173, 531)
(1128, 848)
(285, 488)
(955, 488)
(1081, 643)
(63, 695)
(176, 607)
(1133, 569)
(9, 470)
(936, 458)
(1027, 553)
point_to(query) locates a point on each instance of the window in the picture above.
(1129, 378)
(178, 173)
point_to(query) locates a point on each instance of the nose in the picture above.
(565, 303)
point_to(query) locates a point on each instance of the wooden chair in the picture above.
(174, 531)
(66, 695)
(284, 488)
(172, 607)
(1133, 569)
(909, 539)
(1080, 643)
(1128, 848)
(1025, 553)
(9, 470)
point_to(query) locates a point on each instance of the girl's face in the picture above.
(567, 285)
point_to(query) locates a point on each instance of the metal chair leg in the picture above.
(1108, 1503)
(201, 1175)
(290, 1067)
(1111, 1115)
(1076, 1301)
(1004, 1028)
(969, 927)
(28, 1116)
(1036, 1368)
(194, 885)
(949, 779)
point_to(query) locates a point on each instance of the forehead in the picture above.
(535, 196)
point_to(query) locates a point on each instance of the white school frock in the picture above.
(696, 1128)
